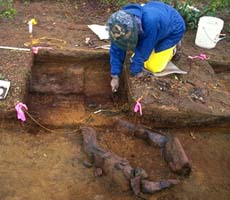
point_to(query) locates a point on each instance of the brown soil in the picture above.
(36, 164)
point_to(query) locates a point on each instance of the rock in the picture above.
(176, 157)
(98, 172)
(87, 164)
(153, 138)
(115, 169)
(153, 187)
(140, 172)
(135, 184)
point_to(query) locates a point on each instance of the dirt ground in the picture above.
(36, 164)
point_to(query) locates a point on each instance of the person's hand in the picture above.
(114, 83)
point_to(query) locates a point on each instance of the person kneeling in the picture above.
(153, 31)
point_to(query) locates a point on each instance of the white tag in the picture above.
(4, 88)
(100, 31)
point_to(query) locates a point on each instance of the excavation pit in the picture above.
(63, 107)
(36, 164)
(66, 89)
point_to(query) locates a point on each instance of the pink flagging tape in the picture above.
(200, 57)
(20, 114)
(36, 49)
(138, 106)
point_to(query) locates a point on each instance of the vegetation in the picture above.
(1, 76)
(188, 11)
(6, 9)
(192, 14)
(116, 3)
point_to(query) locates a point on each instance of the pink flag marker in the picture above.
(200, 56)
(138, 106)
(20, 114)
(36, 49)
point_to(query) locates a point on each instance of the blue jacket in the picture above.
(163, 27)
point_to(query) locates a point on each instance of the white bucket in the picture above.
(208, 32)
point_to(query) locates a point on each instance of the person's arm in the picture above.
(117, 58)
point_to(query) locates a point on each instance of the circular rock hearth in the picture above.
(119, 170)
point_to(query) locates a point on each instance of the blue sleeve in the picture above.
(117, 58)
(143, 50)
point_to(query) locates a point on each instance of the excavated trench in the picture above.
(71, 94)
(73, 91)
(67, 92)
(64, 90)
(66, 87)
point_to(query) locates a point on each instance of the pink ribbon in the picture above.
(20, 113)
(36, 49)
(200, 56)
(138, 106)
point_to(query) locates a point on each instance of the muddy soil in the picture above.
(39, 164)
(36, 164)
